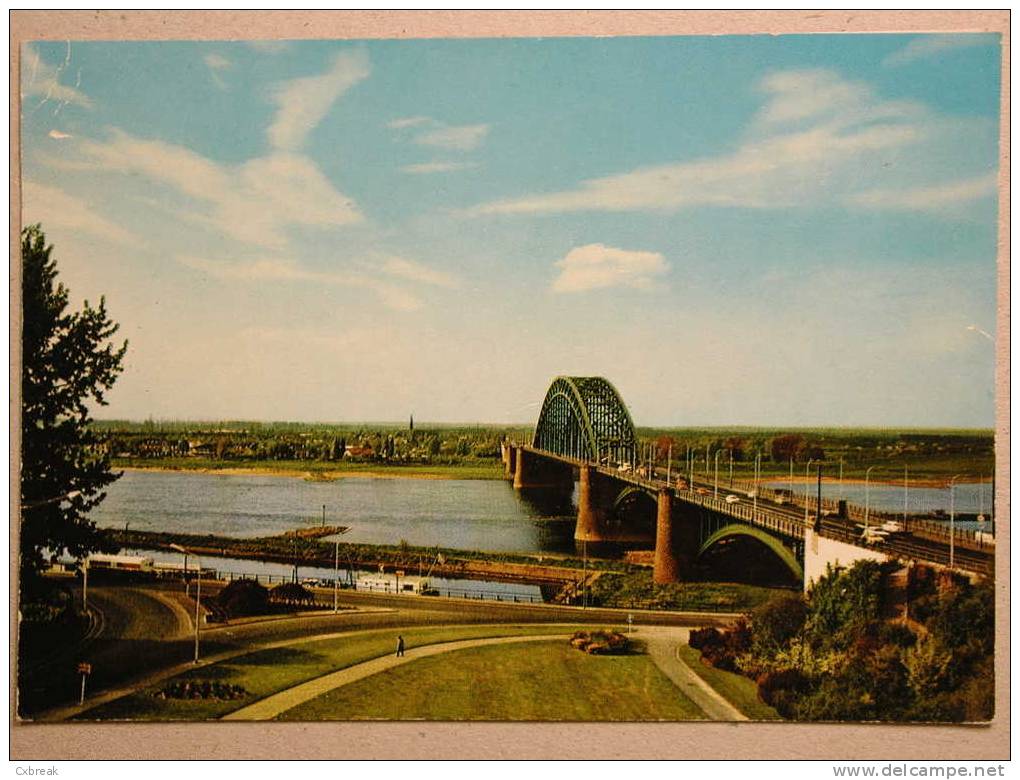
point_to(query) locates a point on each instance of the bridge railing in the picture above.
(934, 529)
(760, 516)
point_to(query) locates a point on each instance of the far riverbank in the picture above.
(312, 471)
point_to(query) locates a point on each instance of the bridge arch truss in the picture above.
(584, 417)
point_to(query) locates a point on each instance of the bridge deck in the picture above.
(791, 520)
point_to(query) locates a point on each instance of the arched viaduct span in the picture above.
(585, 430)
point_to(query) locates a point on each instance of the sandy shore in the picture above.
(309, 476)
(779, 481)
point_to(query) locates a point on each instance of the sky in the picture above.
(734, 230)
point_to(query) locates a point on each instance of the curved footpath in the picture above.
(278, 703)
(661, 644)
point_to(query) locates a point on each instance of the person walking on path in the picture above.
(400, 646)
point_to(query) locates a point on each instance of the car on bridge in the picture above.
(732, 499)
(874, 535)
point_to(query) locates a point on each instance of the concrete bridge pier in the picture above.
(531, 470)
(677, 538)
(593, 506)
(509, 461)
(667, 563)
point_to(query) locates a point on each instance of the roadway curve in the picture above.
(141, 634)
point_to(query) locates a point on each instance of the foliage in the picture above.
(635, 589)
(843, 602)
(603, 642)
(834, 657)
(929, 453)
(291, 593)
(777, 621)
(721, 649)
(68, 363)
(242, 598)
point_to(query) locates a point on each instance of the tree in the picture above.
(68, 363)
(788, 446)
(776, 622)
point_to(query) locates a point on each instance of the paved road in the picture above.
(142, 633)
(662, 645)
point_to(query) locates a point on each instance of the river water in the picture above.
(483, 515)
(969, 498)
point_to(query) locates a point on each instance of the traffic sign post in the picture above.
(84, 669)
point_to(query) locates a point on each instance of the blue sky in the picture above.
(791, 230)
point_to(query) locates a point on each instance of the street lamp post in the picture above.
(952, 520)
(716, 493)
(906, 494)
(841, 496)
(807, 489)
(867, 497)
(198, 593)
(85, 585)
(757, 473)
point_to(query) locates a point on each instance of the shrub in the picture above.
(600, 642)
(291, 593)
(243, 597)
(777, 621)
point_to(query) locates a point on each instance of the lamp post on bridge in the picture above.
(867, 497)
(715, 494)
(952, 520)
(807, 489)
(757, 474)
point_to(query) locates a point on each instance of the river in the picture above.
(483, 515)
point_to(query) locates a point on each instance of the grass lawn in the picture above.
(740, 691)
(533, 681)
(636, 589)
(265, 672)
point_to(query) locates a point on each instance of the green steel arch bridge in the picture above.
(585, 432)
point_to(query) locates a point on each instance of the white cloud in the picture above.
(281, 270)
(436, 167)
(597, 266)
(268, 47)
(417, 272)
(932, 45)
(40, 79)
(942, 197)
(817, 139)
(217, 61)
(303, 102)
(55, 208)
(254, 202)
(458, 137)
(56, 134)
(409, 121)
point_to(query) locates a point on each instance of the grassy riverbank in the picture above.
(315, 471)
